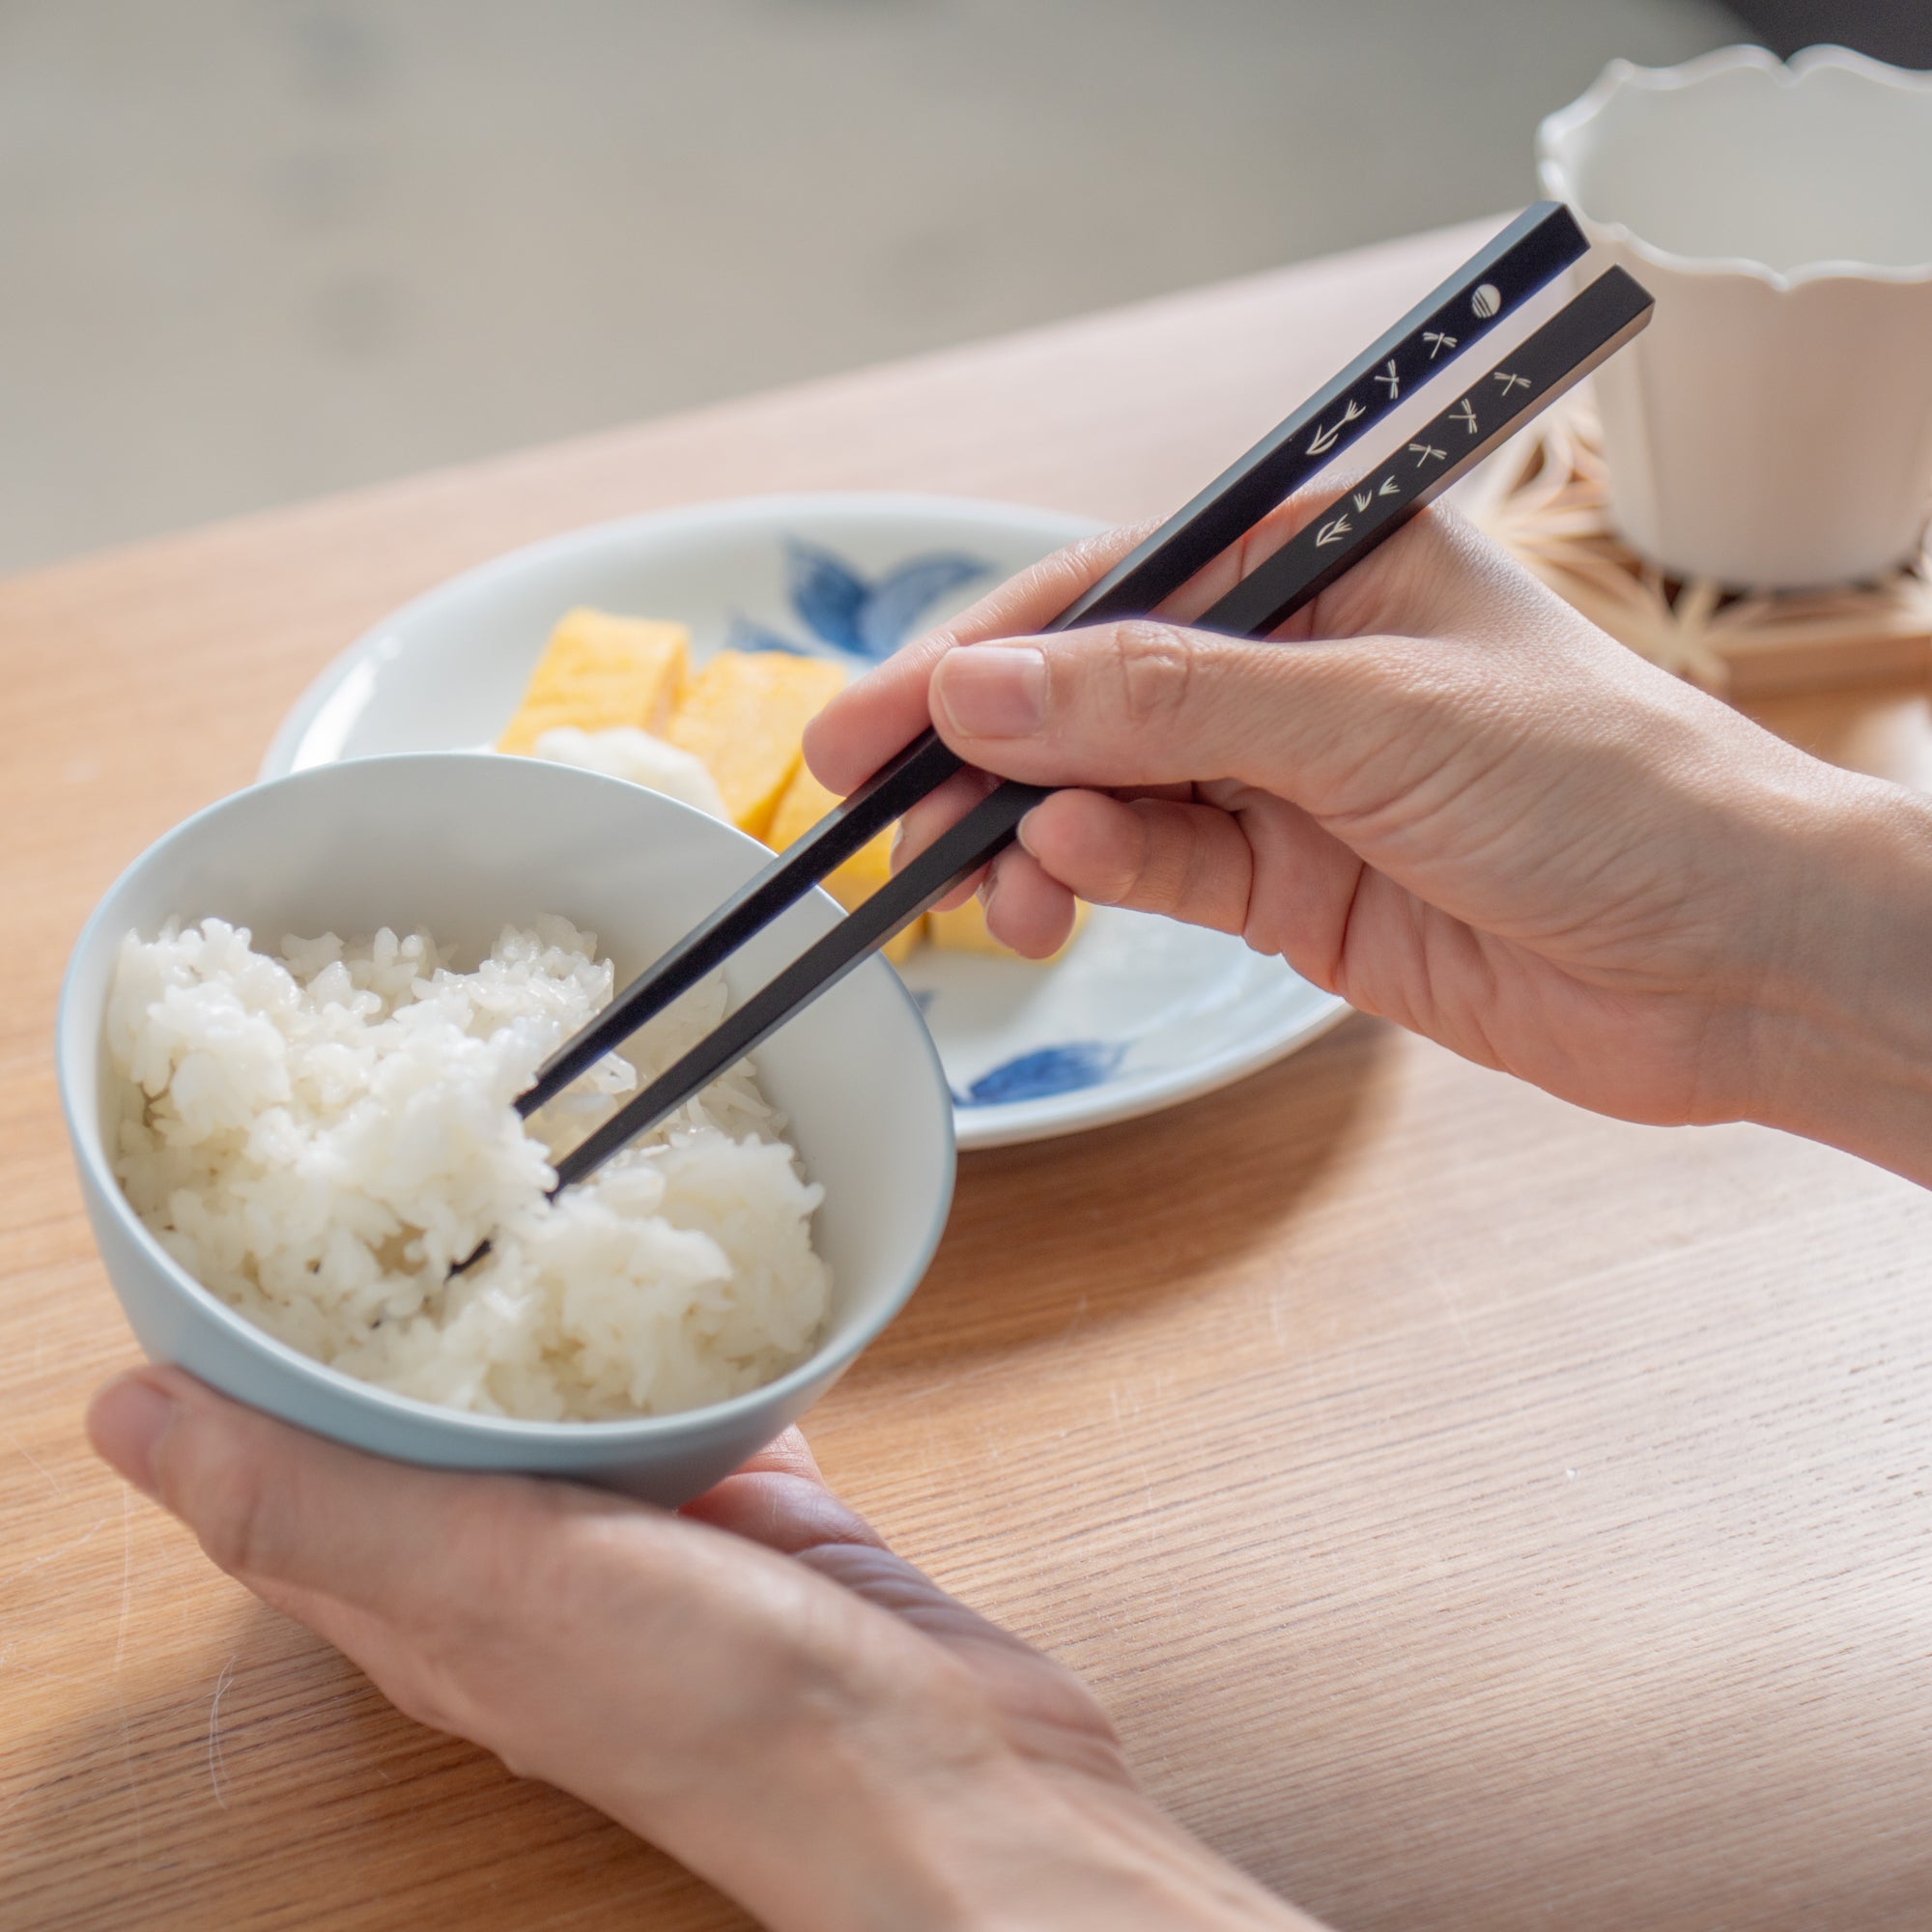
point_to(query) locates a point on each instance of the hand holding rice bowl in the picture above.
(459, 846)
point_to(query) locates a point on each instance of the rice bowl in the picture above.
(462, 844)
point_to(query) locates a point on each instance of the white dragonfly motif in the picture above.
(1424, 452)
(1438, 341)
(1464, 413)
(1332, 532)
(1509, 381)
(1324, 439)
(1390, 377)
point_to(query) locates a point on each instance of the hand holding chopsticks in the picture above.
(1528, 254)
(1533, 374)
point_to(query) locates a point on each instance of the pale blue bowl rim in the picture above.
(830, 1361)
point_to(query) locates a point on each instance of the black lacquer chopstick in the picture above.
(1552, 359)
(1555, 357)
(1492, 283)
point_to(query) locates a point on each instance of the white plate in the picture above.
(1140, 1015)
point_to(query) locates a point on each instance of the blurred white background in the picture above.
(254, 249)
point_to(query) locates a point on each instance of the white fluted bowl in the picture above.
(1772, 427)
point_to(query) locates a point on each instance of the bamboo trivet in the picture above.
(1543, 497)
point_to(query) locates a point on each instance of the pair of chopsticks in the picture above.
(1528, 255)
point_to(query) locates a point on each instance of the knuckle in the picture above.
(238, 1513)
(1050, 583)
(415, 1690)
(1153, 667)
(1168, 868)
(1126, 880)
(1086, 559)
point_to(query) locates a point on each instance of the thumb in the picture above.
(299, 1518)
(1144, 703)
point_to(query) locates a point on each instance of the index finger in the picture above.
(882, 712)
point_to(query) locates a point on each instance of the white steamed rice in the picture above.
(317, 1136)
(623, 751)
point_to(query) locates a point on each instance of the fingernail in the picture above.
(126, 1423)
(994, 691)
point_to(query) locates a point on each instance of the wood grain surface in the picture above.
(1476, 1513)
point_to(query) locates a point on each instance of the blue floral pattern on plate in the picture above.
(1045, 1072)
(847, 612)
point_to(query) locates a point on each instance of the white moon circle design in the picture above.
(1487, 300)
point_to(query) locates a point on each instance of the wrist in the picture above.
(1049, 1847)
(969, 1845)
(1843, 1033)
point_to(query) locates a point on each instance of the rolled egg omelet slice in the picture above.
(805, 802)
(744, 715)
(598, 671)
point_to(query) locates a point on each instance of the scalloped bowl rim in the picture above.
(1788, 75)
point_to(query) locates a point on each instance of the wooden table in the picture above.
(1475, 1514)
